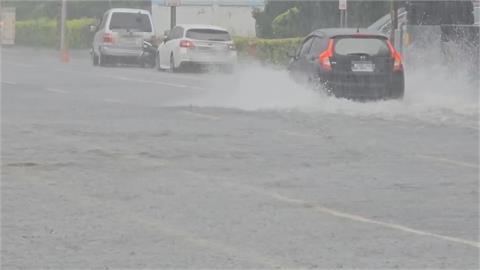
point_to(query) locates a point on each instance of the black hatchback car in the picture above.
(350, 63)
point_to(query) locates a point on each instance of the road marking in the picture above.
(202, 115)
(297, 134)
(152, 82)
(58, 91)
(115, 101)
(357, 218)
(449, 161)
(9, 82)
(127, 215)
(19, 64)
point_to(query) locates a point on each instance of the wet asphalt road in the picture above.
(111, 168)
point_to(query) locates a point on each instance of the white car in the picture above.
(196, 45)
(120, 35)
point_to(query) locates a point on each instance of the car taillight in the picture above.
(232, 47)
(397, 58)
(108, 38)
(324, 57)
(187, 44)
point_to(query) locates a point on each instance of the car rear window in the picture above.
(208, 34)
(131, 21)
(370, 46)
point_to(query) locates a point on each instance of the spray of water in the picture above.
(434, 92)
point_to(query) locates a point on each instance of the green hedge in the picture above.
(43, 33)
(272, 51)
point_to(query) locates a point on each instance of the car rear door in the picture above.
(298, 66)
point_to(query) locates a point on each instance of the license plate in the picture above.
(363, 66)
(131, 41)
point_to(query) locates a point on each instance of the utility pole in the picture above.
(394, 20)
(342, 6)
(63, 31)
(173, 16)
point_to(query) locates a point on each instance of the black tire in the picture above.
(94, 58)
(157, 62)
(397, 89)
(102, 60)
(172, 64)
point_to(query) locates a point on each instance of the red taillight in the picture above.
(108, 38)
(324, 57)
(397, 58)
(186, 44)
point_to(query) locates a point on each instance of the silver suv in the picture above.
(120, 36)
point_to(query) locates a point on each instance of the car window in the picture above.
(131, 21)
(171, 34)
(179, 32)
(306, 47)
(208, 34)
(318, 46)
(370, 46)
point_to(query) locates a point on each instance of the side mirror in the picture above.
(93, 28)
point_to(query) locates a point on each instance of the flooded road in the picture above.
(127, 167)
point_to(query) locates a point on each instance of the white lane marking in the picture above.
(127, 216)
(9, 82)
(170, 75)
(55, 90)
(449, 161)
(357, 218)
(202, 115)
(297, 134)
(115, 101)
(19, 64)
(152, 82)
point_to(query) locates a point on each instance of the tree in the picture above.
(313, 15)
(34, 9)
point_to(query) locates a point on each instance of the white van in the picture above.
(120, 35)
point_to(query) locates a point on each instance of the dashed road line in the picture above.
(297, 134)
(115, 101)
(9, 82)
(126, 215)
(449, 161)
(356, 218)
(19, 64)
(152, 82)
(55, 90)
(203, 115)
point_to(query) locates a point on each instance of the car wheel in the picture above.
(157, 62)
(172, 64)
(94, 59)
(397, 89)
(102, 60)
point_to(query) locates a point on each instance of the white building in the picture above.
(233, 15)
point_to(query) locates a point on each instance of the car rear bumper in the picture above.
(121, 51)
(217, 58)
(361, 86)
